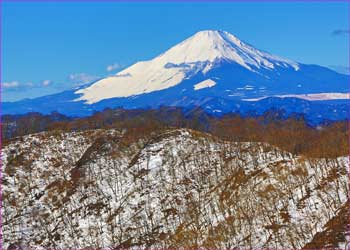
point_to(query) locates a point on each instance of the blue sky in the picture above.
(53, 46)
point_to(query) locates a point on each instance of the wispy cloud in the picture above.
(340, 32)
(9, 85)
(23, 86)
(81, 78)
(46, 83)
(113, 67)
(73, 80)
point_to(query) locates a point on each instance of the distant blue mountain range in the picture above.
(213, 70)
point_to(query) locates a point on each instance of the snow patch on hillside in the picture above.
(204, 84)
(309, 97)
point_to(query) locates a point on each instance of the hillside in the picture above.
(174, 188)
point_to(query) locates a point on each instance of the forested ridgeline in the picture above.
(292, 134)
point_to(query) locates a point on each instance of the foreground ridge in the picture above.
(180, 188)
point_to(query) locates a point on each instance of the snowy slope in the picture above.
(180, 188)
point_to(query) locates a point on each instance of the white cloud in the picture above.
(113, 67)
(46, 83)
(81, 78)
(12, 84)
(25, 85)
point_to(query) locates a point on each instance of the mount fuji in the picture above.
(214, 70)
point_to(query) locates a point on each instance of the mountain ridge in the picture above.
(198, 53)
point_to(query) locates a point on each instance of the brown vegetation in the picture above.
(293, 134)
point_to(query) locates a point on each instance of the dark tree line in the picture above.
(292, 134)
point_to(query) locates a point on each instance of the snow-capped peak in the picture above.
(199, 53)
(212, 45)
